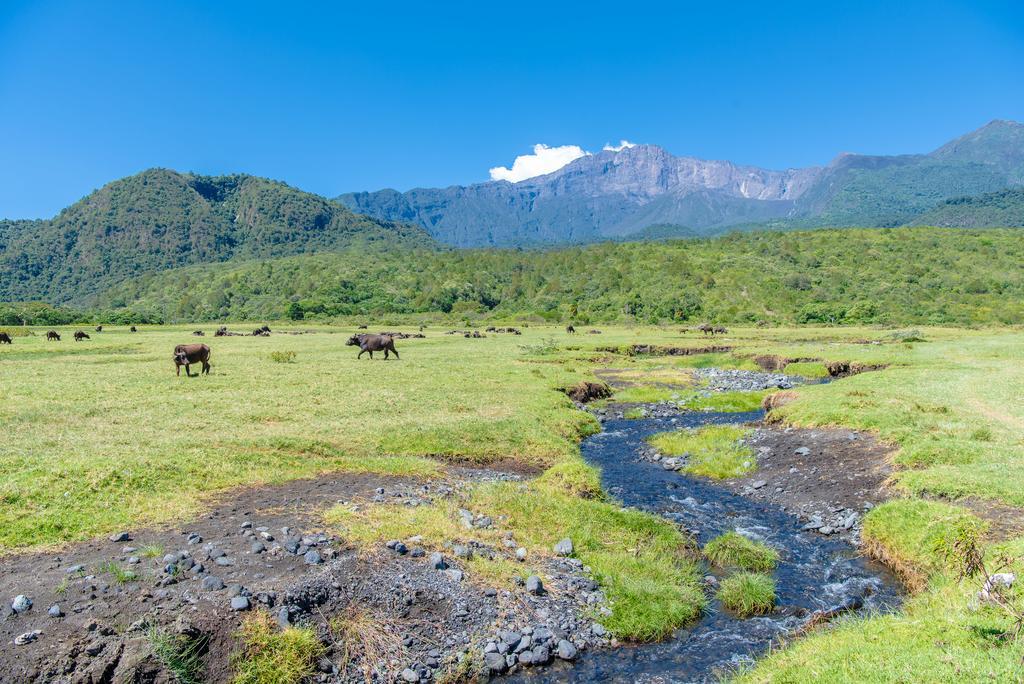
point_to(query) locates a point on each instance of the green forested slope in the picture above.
(905, 275)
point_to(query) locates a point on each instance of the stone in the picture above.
(802, 451)
(284, 618)
(462, 551)
(211, 583)
(526, 657)
(240, 603)
(541, 655)
(75, 568)
(257, 547)
(455, 574)
(55, 611)
(564, 547)
(995, 583)
(566, 650)
(437, 561)
(597, 629)
(521, 554)
(534, 585)
(758, 484)
(120, 537)
(417, 552)
(312, 558)
(224, 561)
(27, 637)
(495, 663)
(409, 675)
(21, 604)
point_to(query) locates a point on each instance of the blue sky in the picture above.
(332, 97)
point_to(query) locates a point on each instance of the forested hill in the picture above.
(161, 219)
(1002, 208)
(896, 276)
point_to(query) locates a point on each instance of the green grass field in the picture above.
(101, 435)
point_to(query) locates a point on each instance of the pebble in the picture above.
(75, 568)
(27, 637)
(240, 603)
(409, 675)
(437, 561)
(55, 611)
(312, 558)
(521, 554)
(534, 585)
(211, 583)
(120, 537)
(564, 547)
(21, 603)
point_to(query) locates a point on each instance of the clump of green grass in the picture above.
(62, 588)
(916, 536)
(806, 369)
(645, 394)
(121, 575)
(283, 356)
(272, 656)
(151, 551)
(747, 593)
(733, 550)
(735, 401)
(179, 654)
(635, 413)
(715, 451)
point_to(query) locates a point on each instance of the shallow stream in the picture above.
(814, 573)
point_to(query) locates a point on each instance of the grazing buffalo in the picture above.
(721, 329)
(198, 333)
(132, 329)
(372, 343)
(52, 336)
(186, 354)
(362, 327)
(79, 336)
(5, 338)
(706, 329)
(99, 328)
(263, 331)
(570, 329)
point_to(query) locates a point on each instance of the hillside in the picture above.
(161, 219)
(1001, 208)
(620, 194)
(897, 276)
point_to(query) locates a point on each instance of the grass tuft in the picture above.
(283, 356)
(272, 656)
(121, 575)
(747, 593)
(733, 550)
(180, 655)
(715, 451)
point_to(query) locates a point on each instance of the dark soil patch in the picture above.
(776, 363)
(586, 391)
(841, 475)
(844, 369)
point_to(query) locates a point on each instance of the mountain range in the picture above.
(643, 191)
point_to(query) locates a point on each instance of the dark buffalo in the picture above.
(52, 336)
(263, 331)
(372, 343)
(721, 329)
(570, 329)
(79, 336)
(5, 338)
(99, 328)
(362, 327)
(186, 354)
(132, 329)
(706, 329)
(198, 333)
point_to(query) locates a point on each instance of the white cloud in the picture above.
(543, 160)
(623, 144)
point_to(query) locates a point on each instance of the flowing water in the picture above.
(814, 573)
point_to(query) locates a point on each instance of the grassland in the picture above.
(101, 435)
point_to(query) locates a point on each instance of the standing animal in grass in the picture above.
(5, 338)
(52, 336)
(132, 329)
(187, 354)
(372, 343)
(570, 329)
(79, 336)
(99, 328)
(720, 329)
(706, 329)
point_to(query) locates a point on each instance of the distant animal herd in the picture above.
(368, 343)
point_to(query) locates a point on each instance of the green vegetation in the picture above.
(733, 550)
(747, 593)
(806, 369)
(853, 276)
(1000, 208)
(714, 451)
(283, 356)
(179, 654)
(643, 563)
(725, 401)
(70, 469)
(119, 574)
(273, 656)
(161, 219)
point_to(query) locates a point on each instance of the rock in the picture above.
(75, 568)
(134, 560)
(284, 617)
(520, 554)
(417, 552)
(27, 637)
(495, 663)
(240, 603)
(850, 521)
(597, 629)
(526, 657)
(566, 650)
(825, 529)
(224, 561)
(312, 558)
(541, 655)
(21, 604)
(257, 547)
(55, 611)
(462, 551)
(409, 675)
(564, 547)
(758, 484)
(455, 574)
(120, 537)
(534, 585)
(437, 561)
(211, 583)
(995, 583)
